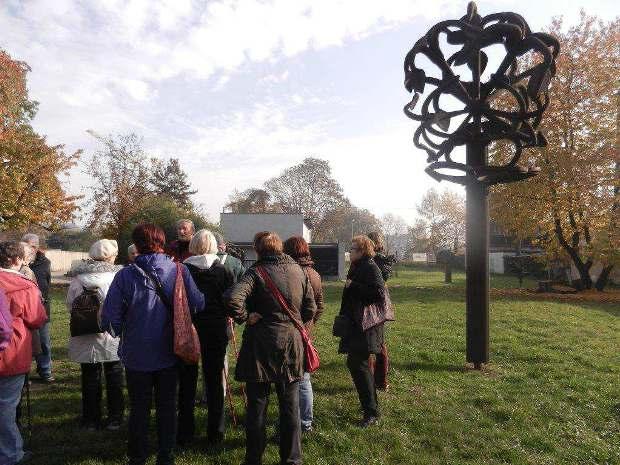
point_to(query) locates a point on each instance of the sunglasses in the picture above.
(354, 249)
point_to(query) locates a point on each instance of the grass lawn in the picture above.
(551, 394)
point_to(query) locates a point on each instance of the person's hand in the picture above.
(254, 318)
(348, 283)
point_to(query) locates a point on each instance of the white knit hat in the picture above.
(103, 249)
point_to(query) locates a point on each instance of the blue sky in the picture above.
(239, 90)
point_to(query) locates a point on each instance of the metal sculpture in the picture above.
(525, 98)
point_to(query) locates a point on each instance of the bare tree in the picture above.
(307, 188)
(442, 220)
(341, 224)
(393, 227)
(121, 171)
(253, 200)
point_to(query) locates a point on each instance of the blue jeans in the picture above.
(11, 443)
(44, 359)
(306, 399)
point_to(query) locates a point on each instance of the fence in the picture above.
(62, 260)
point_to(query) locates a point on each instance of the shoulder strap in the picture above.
(159, 289)
(278, 296)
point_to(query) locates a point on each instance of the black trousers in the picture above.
(92, 391)
(188, 380)
(364, 381)
(290, 427)
(141, 385)
(213, 343)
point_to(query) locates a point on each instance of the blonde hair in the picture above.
(203, 243)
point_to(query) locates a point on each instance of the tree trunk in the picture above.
(603, 278)
(448, 272)
(582, 268)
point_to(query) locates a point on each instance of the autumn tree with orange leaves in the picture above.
(572, 206)
(31, 192)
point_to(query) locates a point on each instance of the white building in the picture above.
(240, 229)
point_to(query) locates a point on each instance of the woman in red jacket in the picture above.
(28, 313)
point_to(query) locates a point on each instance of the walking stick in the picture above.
(230, 400)
(234, 341)
(28, 409)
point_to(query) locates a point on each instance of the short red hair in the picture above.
(365, 245)
(267, 243)
(296, 247)
(149, 238)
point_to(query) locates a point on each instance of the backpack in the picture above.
(6, 321)
(214, 281)
(86, 313)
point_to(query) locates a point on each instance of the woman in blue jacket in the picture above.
(134, 311)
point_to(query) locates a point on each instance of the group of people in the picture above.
(133, 343)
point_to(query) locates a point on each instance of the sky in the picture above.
(238, 90)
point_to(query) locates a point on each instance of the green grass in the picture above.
(551, 394)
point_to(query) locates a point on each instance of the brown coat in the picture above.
(272, 349)
(306, 264)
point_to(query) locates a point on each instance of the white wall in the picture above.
(240, 227)
(496, 261)
(62, 260)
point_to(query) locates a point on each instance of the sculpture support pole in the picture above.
(484, 124)
(477, 262)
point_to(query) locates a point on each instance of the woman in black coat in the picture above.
(364, 286)
(213, 329)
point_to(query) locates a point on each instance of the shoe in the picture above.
(215, 439)
(113, 425)
(89, 426)
(184, 442)
(26, 458)
(48, 380)
(307, 429)
(369, 421)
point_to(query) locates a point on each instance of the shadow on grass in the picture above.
(430, 367)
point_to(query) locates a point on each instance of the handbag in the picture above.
(311, 355)
(186, 344)
(378, 313)
(342, 324)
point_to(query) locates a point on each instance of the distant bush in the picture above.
(73, 240)
(164, 213)
(528, 265)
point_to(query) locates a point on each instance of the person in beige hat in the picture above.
(96, 351)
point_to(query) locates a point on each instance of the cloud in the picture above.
(148, 40)
(239, 89)
(275, 78)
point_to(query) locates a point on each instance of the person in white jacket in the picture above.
(97, 352)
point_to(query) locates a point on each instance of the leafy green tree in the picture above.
(170, 180)
(164, 213)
